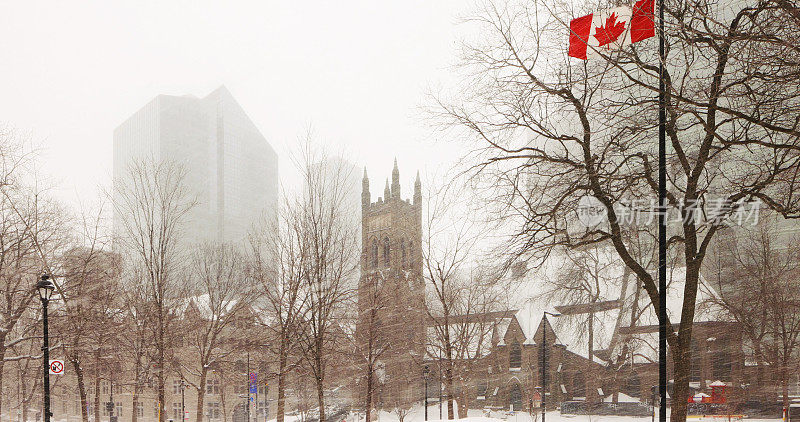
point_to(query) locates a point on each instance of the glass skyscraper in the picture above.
(231, 169)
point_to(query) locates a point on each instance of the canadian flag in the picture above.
(611, 29)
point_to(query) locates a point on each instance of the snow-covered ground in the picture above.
(477, 415)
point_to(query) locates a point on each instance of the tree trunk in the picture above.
(137, 389)
(24, 403)
(76, 365)
(320, 378)
(368, 403)
(161, 380)
(96, 397)
(680, 390)
(463, 403)
(321, 399)
(201, 395)
(785, 385)
(448, 379)
(281, 381)
(2, 365)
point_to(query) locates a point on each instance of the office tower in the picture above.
(231, 170)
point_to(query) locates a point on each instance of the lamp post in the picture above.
(544, 361)
(183, 400)
(46, 287)
(425, 373)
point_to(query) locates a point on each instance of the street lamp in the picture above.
(183, 400)
(425, 373)
(46, 287)
(544, 361)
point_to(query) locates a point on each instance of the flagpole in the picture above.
(662, 222)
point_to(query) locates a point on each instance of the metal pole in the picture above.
(46, 363)
(248, 386)
(544, 368)
(183, 401)
(662, 222)
(653, 401)
(111, 399)
(426, 394)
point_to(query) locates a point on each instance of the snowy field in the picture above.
(477, 415)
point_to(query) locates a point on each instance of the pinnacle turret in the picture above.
(417, 190)
(365, 196)
(395, 181)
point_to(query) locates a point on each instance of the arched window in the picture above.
(403, 252)
(386, 251)
(374, 253)
(515, 356)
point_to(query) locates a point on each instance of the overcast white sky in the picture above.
(357, 71)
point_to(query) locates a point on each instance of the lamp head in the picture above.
(45, 287)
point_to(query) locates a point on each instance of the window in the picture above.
(403, 254)
(139, 409)
(212, 386)
(481, 389)
(515, 356)
(387, 250)
(104, 406)
(176, 386)
(105, 387)
(374, 254)
(240, 388)
(212, 411)
(118, 409)
(263, 408)
(176, 411)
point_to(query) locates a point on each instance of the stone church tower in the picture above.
(391, 293)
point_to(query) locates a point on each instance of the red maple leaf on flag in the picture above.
(608, 33)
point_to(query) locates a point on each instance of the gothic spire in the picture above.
(365, 197)
(395, 181)
(417, 190)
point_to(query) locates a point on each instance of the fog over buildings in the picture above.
(231, 169)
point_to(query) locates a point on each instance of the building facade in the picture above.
(230, 168)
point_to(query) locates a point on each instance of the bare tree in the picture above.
(210, 318)
(278, 264)
(764, 299)
(90, 316)
(462, 303)
(552, 129)
(330, 245)
(136, 344)
(370, 343)
(32, 231)
(153, 202)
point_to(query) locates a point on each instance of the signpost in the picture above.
(56, 367)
